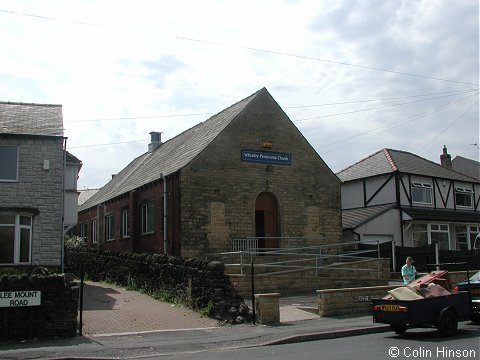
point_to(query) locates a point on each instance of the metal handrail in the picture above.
(318, 254)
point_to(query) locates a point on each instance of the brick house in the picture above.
(396, 195)
(246, 171)
(37, 185)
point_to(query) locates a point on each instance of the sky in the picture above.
(354, 76)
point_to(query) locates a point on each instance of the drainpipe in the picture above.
(62, 242)
(164, 184)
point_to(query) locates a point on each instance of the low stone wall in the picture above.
(55, 316)
(342, 301)
(200, 284)
(335, 276)
(267, 308)
(295, 284)
(349, 300)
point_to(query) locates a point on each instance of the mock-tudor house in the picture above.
(245, 172)
(38, 177)
(396, 195)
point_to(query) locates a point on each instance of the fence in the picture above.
(309, 258)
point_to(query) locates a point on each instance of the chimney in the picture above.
(445, 158)
(155, 140)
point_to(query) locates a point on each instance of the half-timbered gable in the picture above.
(396, 195)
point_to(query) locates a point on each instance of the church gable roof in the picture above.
(170, 156)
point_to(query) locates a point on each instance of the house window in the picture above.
(83, 231)
(125, 226)
(110, 227)
(94, 232)
(421, 193)
(461, 238)
(420, 235)
(439, 234)
(15, 238)
(463, 197)
(147, 218)
(428, 234)
(8, 163)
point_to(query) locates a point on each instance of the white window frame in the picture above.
(469, 233)
(110, 227)
(125, 224)
(468, 193)
(439, 228)
(8, 159)
(17, 238)
(94, 231)
(147, 227)
(426, 187)
(83, 231)
(432, 228)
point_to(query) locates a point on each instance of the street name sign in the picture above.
(20, 298)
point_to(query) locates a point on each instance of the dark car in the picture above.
(474, 288)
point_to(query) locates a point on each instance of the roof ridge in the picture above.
(30, 104)
(468, 159)
(390, 159)
(359, 161)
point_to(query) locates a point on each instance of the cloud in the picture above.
(141, 66)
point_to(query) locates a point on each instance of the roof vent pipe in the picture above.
(155, 140)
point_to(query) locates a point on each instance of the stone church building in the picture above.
(246, 172)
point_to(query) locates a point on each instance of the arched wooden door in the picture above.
(266, 220)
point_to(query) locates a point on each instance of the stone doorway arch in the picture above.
(266, 220)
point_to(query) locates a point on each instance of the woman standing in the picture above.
(408, 271)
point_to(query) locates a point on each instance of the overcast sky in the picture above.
(353, 76)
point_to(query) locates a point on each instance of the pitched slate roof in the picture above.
(170, 156)
(353, 218)
(387, 161)
(466, 166)
(31, 119)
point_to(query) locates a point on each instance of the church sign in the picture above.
(266, 157)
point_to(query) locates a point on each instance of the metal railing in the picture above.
(329, 256)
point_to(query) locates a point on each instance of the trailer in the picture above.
(425, 303)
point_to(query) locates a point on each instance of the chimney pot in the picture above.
(446, 158)
(155, 140)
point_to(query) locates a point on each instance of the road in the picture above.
(415, 344)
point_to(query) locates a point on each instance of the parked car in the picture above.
(474, 287)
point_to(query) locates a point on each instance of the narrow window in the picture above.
(110, 227)
(83, 231)
(8, 163)
(148, 218)
(94, 232)
(125, 225)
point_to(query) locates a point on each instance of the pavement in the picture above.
(118, 323)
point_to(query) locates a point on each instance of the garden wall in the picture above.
(38, 306)
(202, 284)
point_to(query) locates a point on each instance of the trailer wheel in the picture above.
(447, 322)
(399, 328)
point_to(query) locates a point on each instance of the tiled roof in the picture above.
(387, 161)
(31, 119)
(169, 157)
(353, 218)
(466, 166)
(84, 195)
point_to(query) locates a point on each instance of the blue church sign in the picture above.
(266, 157)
